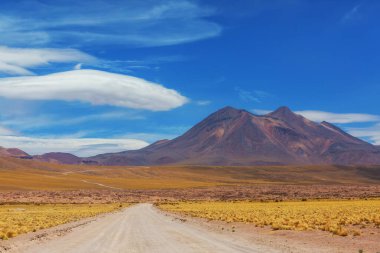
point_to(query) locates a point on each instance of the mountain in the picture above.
(238, 137)
(13, 152)
(58, 157)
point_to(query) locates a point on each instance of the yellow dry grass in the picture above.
(17, 174)
(19, 219)
(336, 216)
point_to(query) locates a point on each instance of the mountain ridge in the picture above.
(232, 136)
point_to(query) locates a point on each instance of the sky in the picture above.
(96, 76)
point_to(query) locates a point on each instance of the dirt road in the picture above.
(143, 228)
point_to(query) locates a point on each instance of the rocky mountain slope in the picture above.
(238, 137)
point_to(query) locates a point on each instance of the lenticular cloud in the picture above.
(95, 87)
(17, 61)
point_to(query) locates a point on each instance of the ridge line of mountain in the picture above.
(232, 136)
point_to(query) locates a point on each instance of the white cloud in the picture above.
(260, 111)
(340, 118)
(133, 23)
(78, 66)
(251, 96)
(203, 102)
(6, 131)
(79, 146)
(29, 122)
(372, 133)
(150, 137)
(95, 87)
(18, 61)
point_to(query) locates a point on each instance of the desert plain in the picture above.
(271, 208)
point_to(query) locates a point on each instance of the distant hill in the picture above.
(13, 152)
(238, 137)
(58, 157)
(25, 175)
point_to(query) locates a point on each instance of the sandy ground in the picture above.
(144, 228)
(292, 241)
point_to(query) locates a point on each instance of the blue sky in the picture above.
(89, 77)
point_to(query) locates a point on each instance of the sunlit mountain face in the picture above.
(237, 137)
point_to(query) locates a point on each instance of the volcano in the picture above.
(231, 136)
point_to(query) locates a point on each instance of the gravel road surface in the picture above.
(143, 229)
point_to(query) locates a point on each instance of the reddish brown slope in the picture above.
(237, 137)
(13, 152)
(58, 157)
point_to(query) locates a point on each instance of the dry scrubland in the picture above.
(336, 216)
(24, 181)
(26, 175)
(19, 219)
(264, 192)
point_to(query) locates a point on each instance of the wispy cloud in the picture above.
(260, 111)
(6, 131)
(372, 133)
(251, 96)
(27, 122)
(134, 23)
(18, 61)
(203, 102)
(78, 66)
(340, 118)
(149, 137)
(95, 87)
(132, 65)
(351, 14)
(78, 146)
